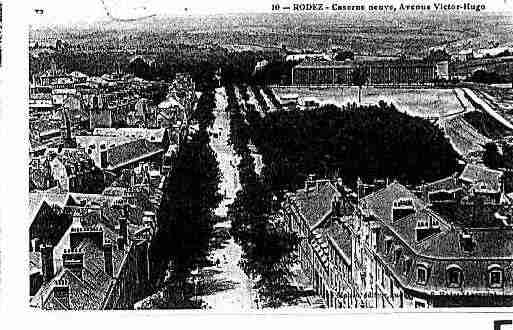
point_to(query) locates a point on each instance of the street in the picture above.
(225, 287)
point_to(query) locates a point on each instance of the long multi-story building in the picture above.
(393, 72)
(390, 249)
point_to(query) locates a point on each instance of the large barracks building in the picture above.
(444, 244)
(390, 72)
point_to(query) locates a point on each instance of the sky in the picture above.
(88, 11)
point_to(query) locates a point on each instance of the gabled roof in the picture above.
(446, 184)
(490, 179)
(315, 203)
(37, 199)
(380, 202)
(150, 134)
(91, 291)
(127, 153)
(341, 236)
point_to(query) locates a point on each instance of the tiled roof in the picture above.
(341, 235)
(491, 179)
(130, 152)
(446, 184)
(489, 243)
(150, 134)
(36, 200)
(74, 159)
(316, 203)
(380, 202)
(442, 249)
(91, 291)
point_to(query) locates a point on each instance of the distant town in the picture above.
(175, 170)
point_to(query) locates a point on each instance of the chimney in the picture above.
(35, 245)
(107, 255)
(61, 292)
(78, 234)
(47, 262)
(310, 184)
(402, 207)
(120, 243)
(123, 229)
(74, 261)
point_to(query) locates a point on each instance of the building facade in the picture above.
(390, 249)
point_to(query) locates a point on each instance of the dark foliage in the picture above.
(256, 226)
(203, 114)
(485, 77)
(186, 219)
(368, 141)
(139, 68)
(344, 55)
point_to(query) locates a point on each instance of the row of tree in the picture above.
(186, 218)
(256, 224)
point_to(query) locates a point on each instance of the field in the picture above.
(365, 33)
(427, 103)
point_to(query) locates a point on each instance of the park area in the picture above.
(420, 102)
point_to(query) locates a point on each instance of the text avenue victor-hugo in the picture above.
(436, 6)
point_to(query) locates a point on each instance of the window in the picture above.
(421, 275)
(495, 276)
(454, 276)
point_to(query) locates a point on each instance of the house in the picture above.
(156, 136)
(92, 251)
(471, 198)
(129, 155)
(73, 170)
(125, 148)
(389, 249)
(424, 260)
(103, 267)
(48, 224)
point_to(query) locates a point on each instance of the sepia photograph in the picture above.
(350, 156)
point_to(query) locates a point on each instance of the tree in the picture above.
(359, 78)
(139, 68)
(267, 246)
(344, 55)
(373, 141)
(186, 218)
